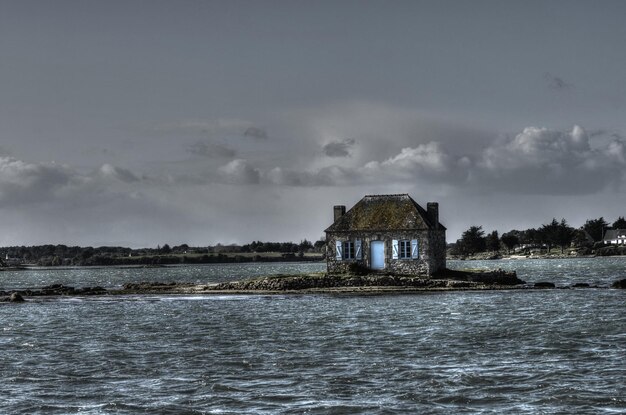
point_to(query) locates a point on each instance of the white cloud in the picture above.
(426, 163)
(538, 147)
(544, 161)
(425, 157)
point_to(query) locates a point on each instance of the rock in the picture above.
(621, 284)
(16, 298)
(13, 298)
(544, 284)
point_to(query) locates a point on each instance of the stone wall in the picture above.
(438, 250)
(431, 247)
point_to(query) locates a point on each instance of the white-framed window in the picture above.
(347, 250)
(404, 249)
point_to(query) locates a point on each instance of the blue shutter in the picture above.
(394, 247)
(357, 249)
(414, 249)
(338, 250)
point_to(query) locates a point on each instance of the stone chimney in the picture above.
(432, 208)
(339, 211)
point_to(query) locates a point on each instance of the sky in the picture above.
(139, 123)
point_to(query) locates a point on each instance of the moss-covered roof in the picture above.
(383, 212)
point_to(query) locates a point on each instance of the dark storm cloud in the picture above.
(340, 148)
(556, 82)
(256, 132)
(207, 149)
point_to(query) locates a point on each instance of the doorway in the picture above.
(377, 255)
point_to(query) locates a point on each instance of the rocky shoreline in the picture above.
(449, 280)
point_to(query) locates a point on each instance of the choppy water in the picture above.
(552, 351)
(112, 277)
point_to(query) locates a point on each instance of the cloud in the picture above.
(426, 163)
(546, 161)
(422, 163)
(425, 157)
(535, 161)
(340, 148)
(326, 177)
(22, 182)
(108, 171)
(214, 150)
(557, 83)
(255, 132)
(239, 171)
(504, 170)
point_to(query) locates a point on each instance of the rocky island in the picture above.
(312, 283)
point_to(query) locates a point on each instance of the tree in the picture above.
(564, 235)
(557, 233)
(319, 245)
(549, 233)
(620, 223)
(472, 240)
(595, 228)
(510, 240)
(492, 242)
(530, 237)
(305, 245)
(581, 238)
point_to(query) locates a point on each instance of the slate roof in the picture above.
(382, 213)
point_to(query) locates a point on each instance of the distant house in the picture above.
(9, 261)
(387, 232)
(615, 237)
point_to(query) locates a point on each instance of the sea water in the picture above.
(541, 351)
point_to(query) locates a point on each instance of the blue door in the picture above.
(377, 255)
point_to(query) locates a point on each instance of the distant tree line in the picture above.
(555, 234)
(56, 255)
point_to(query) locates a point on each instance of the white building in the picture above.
(615, 237)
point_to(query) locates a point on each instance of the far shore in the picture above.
(478, 257)
(487, 257)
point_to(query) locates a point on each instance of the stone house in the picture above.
(390, 233)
